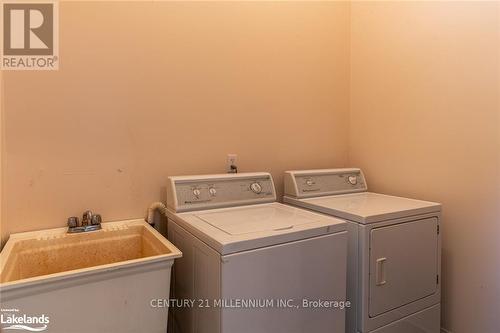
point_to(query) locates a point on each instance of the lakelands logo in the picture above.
(11, 319)
(30, 35)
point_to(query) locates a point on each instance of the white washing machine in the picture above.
(249, 262)
(394, 250)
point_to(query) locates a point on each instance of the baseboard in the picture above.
(444, 330)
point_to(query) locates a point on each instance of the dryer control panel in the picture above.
(315, 183)
(188, 193)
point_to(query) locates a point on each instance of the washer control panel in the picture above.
(312, 183)
(187, 193)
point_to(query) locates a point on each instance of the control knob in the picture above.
(256, 188)
(212, 191)
(353, 180)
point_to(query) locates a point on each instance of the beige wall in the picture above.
(2, 132)
(425, 123)
(192, 82)
(151, 89)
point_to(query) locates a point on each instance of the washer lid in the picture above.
(256, 219)
(367, 207)
(236, 229)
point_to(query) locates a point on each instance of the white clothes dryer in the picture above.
(394, 250)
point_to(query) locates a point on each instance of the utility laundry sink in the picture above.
(108, 280)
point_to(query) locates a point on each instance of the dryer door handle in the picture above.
(380, 272)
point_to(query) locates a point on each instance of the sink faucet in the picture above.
(90, 222)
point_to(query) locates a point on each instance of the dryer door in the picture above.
(403, 264)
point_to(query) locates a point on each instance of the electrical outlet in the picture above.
(231, 160)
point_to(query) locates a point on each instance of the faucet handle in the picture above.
(87, 218)
(96, 219)
(87, 215)
(72, 222)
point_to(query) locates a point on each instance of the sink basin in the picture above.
(44, 253)
(111, 275)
